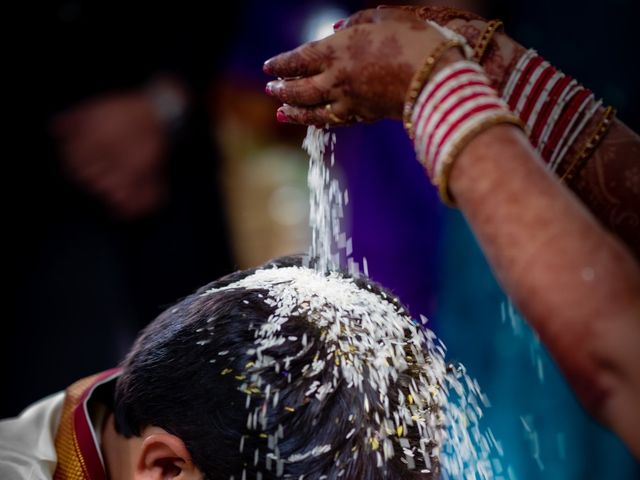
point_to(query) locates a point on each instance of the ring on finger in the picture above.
(332, 116)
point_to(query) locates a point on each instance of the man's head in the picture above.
(285, 372)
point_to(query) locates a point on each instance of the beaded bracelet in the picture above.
(421, 77)
(485, 38)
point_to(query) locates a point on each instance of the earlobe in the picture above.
(164, 456)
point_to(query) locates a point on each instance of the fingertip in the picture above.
(282, 117)
(267, 67)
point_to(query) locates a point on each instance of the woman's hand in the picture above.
(498, 60)
(361, 73)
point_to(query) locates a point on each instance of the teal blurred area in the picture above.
(544, 431)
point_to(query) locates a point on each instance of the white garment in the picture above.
(27, 442)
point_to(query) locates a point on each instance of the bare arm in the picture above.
(609, 184)
(577, 286)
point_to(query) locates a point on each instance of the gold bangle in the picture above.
(421, 77)
(591, 144)
(485, 38)
(442, 181)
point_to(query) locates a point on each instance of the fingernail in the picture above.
(338, 24)
(282, 117)
(268, 90)
(266, 67)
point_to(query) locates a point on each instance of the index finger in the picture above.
(305, 61)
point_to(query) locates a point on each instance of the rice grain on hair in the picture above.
(415, 406)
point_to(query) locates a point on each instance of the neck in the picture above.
(117, 451)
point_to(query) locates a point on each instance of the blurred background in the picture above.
(144, 160)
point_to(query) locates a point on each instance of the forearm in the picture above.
(608, 183)
(605, 177)
(576, 285)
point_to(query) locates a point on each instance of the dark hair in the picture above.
(185, 374)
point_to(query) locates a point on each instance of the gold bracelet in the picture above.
(442, 181)
(421, 77)
(485, 38)
(591, 144)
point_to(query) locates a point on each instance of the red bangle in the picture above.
(562, 124)
(536, 93)
(458, 104)
(555, 94)
(522, 82)
(453, 107)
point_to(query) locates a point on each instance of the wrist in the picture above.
(437, 59)
(455, 106)
(501, 58)
(474, 172)
(452, 55)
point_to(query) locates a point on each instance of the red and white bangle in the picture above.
(552, 105)
(456, 105)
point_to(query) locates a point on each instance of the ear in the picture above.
(164, 456)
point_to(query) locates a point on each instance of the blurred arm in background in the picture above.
(115, 145)
(117, 210)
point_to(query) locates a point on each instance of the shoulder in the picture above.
(27, 449)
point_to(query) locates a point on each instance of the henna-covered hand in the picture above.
(501, 54)
(362, 71)
(608, 183)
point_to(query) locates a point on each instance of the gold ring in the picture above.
(332, 116)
